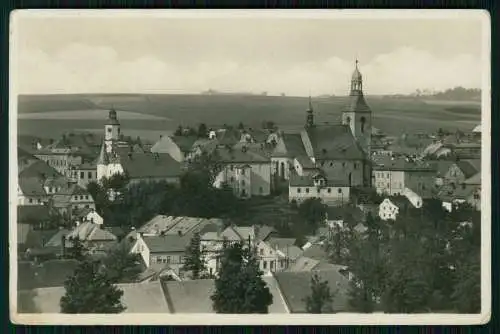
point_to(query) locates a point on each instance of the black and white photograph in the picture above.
(250, 167)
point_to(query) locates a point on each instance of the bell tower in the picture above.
(111, 131)
(357, 114)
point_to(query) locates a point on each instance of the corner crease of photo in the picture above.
(250, 167)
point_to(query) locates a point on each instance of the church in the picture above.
(328, 158)
(120, 157)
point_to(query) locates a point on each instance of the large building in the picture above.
(119, 157)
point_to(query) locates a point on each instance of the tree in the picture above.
(320, 300)
(89, 290)
(76, 249)
(239, 287)
(241, 126)
(313, 211)
(202, 130)
(194, 260)
(121, 266)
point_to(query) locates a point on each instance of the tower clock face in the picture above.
(109, 129)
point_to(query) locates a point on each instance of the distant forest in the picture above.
(452, 94)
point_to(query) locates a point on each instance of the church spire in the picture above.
(356, 81)
(310, 116)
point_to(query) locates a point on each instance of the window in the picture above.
(272, 265)
(76, 197)
(261, 190)
(31, 200)
(232, 178)
(298, 190)
(331, 164)
(307, 190)
(231, 167)
(86, 196)
(264, 265)
(243, 182)
(81, 197)
(109, 130)
(343, 165)
(261, 251)
(168, 259)
(89, 174)
(355, 166)
(363, 121)
(348, 119)
(242, 171)
(82, 175)
(329, 190)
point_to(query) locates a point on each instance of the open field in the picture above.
(149, 115)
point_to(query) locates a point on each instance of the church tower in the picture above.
(310, 116)
(357, 115)
(111, 131)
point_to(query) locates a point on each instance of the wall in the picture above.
(340, 169)
(260, 178)
(141, 248)
(108, 170)
(170, 180)
(60, 162)
(283, 172)
(174, 260)
(269, 259)
(333, 197)
(389, 182)
(89, 175)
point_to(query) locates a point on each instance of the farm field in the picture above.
(149, 116)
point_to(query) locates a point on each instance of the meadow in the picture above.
(149, 116)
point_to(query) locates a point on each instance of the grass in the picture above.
(393, 116)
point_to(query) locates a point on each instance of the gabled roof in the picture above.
(308, 181)
(166, 243)
(39, 169)
(32, 213)
(280, 243)
(474, 180)
(88, 231)
(31, 186)
(316, 252)
(151, 165)
(56, 240)
(296, 286)
(190, 296)
(289, 145)
(469, 167)
(384, 163)
(242, 155)
(185, 143)
(329, 142)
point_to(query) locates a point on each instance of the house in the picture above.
(415, 199)
(84, 174)
(333, 192)
(96, 239)
(162, 249)
(296, 287)
(392, 175)
(178, 147)
(469, 150)
(462, 170)
(452, 195)
(442, 167)
(212, 241)
(392, 206)
(276, 254)
(246, 170)
(34, 215)
(139, 166)
(30, 191)
(179, 225)
(137, 298)
(89, 215)
(194, 296)
(70, 199)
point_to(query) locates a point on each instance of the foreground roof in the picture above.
(150, 165)
(329, 142)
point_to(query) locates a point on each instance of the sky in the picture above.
(294, 56)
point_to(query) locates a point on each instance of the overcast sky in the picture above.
(288, 55)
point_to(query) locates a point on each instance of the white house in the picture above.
(388, 210)
(318, 185)
(277, 254)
